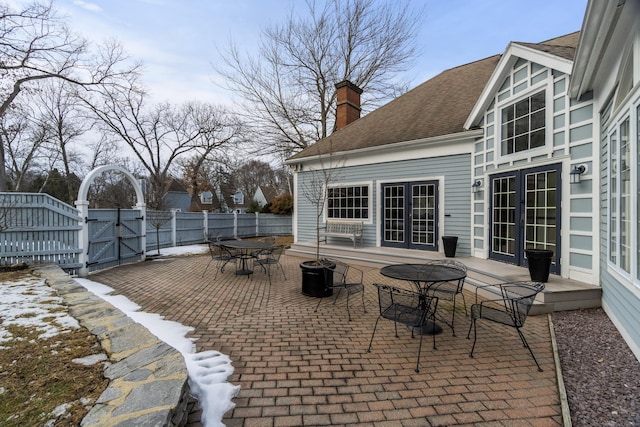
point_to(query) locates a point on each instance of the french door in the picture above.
(525, 214)
(410, 215)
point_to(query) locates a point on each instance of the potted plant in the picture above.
(317, 273)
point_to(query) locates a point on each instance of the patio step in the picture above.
(560, 294)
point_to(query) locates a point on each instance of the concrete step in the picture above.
(560, 294)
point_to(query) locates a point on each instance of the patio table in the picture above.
(423, 276)
(245, 247)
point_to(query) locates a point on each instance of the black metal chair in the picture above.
(406, 307)
(221, 255)
(450, 290)
(268, 257)
(345, 278)
(510, 307)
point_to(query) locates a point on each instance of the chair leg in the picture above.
(453, 317)
(282, 269)
(348, 312)
(419, 352)
(374, 332)
(207, 267)
(475, 336)
(526, 344)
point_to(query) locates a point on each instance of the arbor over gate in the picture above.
(110, 238)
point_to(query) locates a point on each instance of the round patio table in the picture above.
(244, 247)
(423, 276)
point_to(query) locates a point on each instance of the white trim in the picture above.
(504, 67)
(598, 24)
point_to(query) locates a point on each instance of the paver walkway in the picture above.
(296, 367)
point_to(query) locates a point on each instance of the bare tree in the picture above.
(314, 187)
(36, 44)
(252, 174)
(159, 136)
(21, 151)
(289, 85)
(57, 115)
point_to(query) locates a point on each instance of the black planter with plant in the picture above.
(316, 278)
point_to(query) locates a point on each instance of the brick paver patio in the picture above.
(296, 367)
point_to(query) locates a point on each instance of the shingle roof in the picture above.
(440, 106)
(563, 47)
(437, 107)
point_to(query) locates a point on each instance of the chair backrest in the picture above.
(268, 239)
(339, 269)
(519, 297)
(404, 306)
(276, 252)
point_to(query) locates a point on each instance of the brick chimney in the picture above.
(348, 103)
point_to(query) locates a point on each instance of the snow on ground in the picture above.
(208, 370)
(31, 303)
(180, 250)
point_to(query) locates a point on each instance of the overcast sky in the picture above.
(176, 39)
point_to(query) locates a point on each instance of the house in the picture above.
(265, 194)
(176, 197)
(534, 148)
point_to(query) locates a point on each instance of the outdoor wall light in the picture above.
(476, 186)
(574, 175)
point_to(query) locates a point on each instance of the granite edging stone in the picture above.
(148, 379)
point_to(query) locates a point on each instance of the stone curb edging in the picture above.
(564, 401)
(148, 379)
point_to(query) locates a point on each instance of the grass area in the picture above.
(40, 384)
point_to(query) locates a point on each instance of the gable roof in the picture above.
(556, 53)
(269, 192)
(440, 106)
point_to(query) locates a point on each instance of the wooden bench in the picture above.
(350, 230)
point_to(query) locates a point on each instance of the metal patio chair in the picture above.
(221, 255)
(449, 290)
(345, 278)
(268, 257)
(406, 307)
(510, 308)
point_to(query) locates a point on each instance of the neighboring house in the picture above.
(265, 195)
(176, 197)
(533, 148)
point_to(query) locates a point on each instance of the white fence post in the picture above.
(235, 224)
(205, 226)
(257, 223)
(174, 234)
(83, 237)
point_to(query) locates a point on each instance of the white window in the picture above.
(624, 185)
(348, 202)
(523, 124)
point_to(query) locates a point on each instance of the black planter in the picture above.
(539, 261)
(315, 279)
(450, 243)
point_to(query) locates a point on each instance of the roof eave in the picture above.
(510, 56)
(401, 145)
(597, 26)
